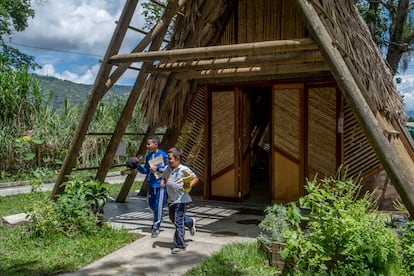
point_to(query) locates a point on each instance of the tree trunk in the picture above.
(397, 45)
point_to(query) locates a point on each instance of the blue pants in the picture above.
(157, 197)
(180, 220)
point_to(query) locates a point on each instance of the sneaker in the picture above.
(177, 250)
(155, 233)
(193, 229)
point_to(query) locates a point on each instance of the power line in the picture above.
(55, 50)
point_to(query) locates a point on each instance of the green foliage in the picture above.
(73, 211)
(56, 254)
(36, 136)
(14, 15)
(275, 224)
(152, 13)
(235, 259)
(344, 235)
(407, 243)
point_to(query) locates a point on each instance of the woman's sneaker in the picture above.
(193, 229)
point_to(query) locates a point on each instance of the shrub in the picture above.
(344, 234)
(408, 248)
(72, 212)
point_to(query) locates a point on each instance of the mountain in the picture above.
(76, 93)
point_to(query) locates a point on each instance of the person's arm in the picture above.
(162, 183)
(194, 182)
(144, 169)
(161, 168)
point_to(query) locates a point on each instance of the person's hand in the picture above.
(162, 184)
(153, 169)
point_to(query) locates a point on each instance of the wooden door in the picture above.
(230, 131)
(245, 129)
(222, 136)
(287, 142)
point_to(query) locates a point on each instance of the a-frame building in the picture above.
(284, 88)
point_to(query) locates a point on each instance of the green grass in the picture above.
(20, 255)
(235, 259)
(57, 253)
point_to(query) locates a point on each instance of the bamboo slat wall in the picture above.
(359, 156)
(222, 124)
(191, 140)
(286, 122)
(322, 132)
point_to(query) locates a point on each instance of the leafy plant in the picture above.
(275, 224)
(344, 234)
(96, 192)
(408, 248)
(77, 210)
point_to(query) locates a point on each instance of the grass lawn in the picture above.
(54, 254)
(58, 254)
(236, 259)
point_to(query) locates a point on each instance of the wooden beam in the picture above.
(255, 48)
(97, 91)
(116, 138)
(368, 122)
(287, 58)
(255, 70)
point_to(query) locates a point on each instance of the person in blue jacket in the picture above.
(156, 161)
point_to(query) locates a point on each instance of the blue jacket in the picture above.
(154, 179)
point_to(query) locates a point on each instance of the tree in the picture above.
(391, 26)
(14, 15)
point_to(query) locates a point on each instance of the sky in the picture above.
(69, 37)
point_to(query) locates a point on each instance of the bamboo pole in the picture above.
(254, 71)
(255, 48)
(96, 92)
(171, 10)
(288, 58)
(368, 122)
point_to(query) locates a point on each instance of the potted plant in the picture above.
(274, 225)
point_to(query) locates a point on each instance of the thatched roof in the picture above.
(202, 22)
(345, 24)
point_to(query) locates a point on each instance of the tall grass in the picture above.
(36, 134)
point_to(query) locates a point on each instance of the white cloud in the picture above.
(406, 88)
(87, 77)
(62, 28)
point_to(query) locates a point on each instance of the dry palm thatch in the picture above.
(164, 98)
(352, 36)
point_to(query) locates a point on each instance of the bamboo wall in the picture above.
(191, 140)
(359, 157)
(264, 20)
(322, 132)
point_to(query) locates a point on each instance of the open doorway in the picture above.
(260, 188)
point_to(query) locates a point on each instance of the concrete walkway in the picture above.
(218, 223)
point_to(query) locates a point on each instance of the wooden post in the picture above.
(171, 10)
(368, 122)
(96, 93)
